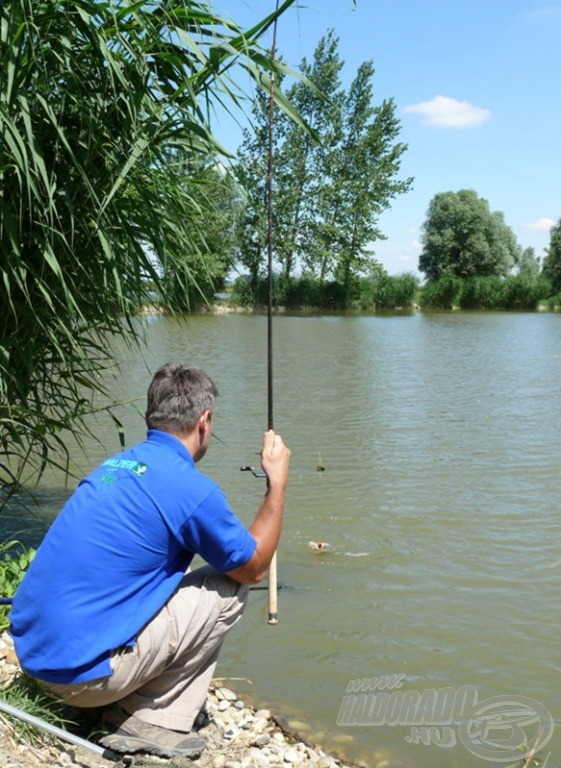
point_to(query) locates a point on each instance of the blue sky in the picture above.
(477, 87)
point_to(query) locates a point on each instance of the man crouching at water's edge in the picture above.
(108, 614)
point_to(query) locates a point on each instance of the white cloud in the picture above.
(444, 112)
(546, 12)
(541, 225)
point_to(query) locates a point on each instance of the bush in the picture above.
(525, 291)
(333, 295)
(482, 292)
(553, 302)
(244, 292)
(395, 291)
(12, 569)
(366, 294)
(443, 293)
(304, 291)
(360, 293)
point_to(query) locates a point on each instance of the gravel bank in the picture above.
(237, 736)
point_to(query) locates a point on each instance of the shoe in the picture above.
(128, 734)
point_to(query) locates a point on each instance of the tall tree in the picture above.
(365, 180)
(552, 262)
(462, 237)
(307, 162)
(251, 173)
(297, 157)
(331, 189)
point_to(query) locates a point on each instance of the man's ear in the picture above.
(204, 420)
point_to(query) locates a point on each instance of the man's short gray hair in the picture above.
(177, 397)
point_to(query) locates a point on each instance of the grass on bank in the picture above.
(25, 694)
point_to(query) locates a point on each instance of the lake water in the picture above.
(439, 434)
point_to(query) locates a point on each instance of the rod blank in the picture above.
(52, 729)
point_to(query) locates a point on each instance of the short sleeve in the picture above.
(215, 533)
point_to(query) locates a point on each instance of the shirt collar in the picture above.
(159, 437)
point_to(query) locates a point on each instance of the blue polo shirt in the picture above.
(115, 554)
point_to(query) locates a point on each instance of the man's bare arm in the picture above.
(267, 526)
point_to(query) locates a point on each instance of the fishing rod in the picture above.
(54, 730)
(273, 607)
(272, 586)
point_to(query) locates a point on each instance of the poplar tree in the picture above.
(362, 182)
(251, 173)
(308, 162)
(331, 182)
